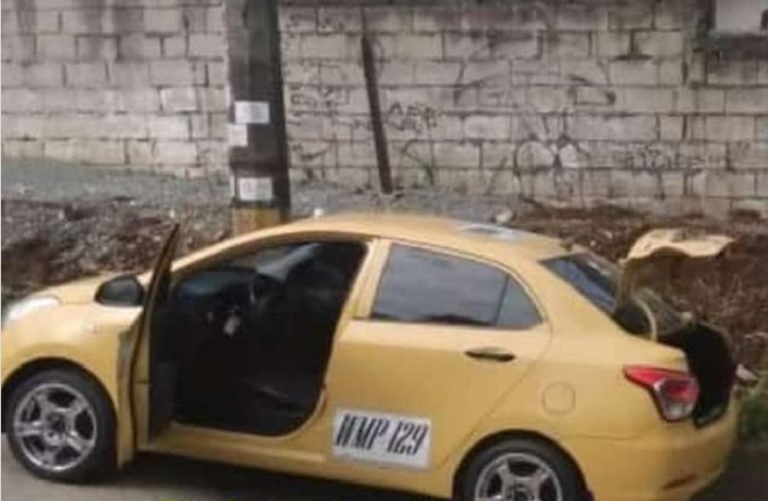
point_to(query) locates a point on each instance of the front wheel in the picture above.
(520, 470)
(60, 426)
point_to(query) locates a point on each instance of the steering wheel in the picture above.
(262, 292)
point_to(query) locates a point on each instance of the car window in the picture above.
(517, 311)
(299, 264)
(423, 286)
(270, 258)
(597, 279)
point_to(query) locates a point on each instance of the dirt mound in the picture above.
(56, 242)
(53, 243)
(731, 291)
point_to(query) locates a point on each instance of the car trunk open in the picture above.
(706, 349)
(621, 294)
(710, 360)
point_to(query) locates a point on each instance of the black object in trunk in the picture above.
(711, 361)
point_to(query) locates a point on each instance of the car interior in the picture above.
(250, 339)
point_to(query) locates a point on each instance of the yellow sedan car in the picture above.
(430, 355)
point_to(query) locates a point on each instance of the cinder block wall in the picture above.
(137, 83)
(579, 102)
(576, 102)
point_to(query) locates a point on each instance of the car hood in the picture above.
(77, 292)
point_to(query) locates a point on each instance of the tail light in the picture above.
(674, 392)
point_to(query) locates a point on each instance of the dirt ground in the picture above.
(59, 241)
(730, 291)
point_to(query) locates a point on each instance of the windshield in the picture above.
(597, 279)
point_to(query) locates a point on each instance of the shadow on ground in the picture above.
(160, 478)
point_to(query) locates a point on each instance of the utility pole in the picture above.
(258, 156)
(377, 123)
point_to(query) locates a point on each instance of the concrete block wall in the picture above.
(579, 102)
(138, 83)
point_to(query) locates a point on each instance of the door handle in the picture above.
(490, 353)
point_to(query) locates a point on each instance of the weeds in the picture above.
(753, 422)
(753, 426)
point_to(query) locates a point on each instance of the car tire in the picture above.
(520, 469)
(60, 426)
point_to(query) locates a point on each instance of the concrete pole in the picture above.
(258, 157)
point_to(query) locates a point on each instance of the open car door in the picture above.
(658, 251)
(146, 387)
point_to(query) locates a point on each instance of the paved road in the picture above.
(170, 479)
(158, 478)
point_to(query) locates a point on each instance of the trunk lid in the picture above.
(651, 259)
(655, 253)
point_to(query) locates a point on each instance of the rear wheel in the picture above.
(60, 426)
(520, 470)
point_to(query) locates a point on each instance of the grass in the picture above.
(754, 419)
(753, 425)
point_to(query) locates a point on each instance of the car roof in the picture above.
(484, 239)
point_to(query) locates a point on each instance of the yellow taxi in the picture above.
(431, 355)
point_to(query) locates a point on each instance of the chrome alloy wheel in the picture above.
(518, 477)
(55, 427)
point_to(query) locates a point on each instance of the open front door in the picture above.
(151, 381)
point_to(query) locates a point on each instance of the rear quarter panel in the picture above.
(577, 389)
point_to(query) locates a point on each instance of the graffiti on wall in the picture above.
(414, 118)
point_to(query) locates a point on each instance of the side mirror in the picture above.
(125, 290)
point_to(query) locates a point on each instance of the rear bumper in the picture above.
(671, 463)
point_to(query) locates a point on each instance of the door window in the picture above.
(424, 286)
(517, 311)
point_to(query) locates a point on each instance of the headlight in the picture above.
(26, 306)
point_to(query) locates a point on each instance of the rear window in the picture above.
(597, 279)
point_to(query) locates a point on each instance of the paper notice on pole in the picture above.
(238, 135)
(255, 189)
(252, 112)
(232, 186)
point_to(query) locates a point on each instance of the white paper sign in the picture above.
(382, 438)
(232, 186)
(238, 135)
(252, 112)
(255, 189)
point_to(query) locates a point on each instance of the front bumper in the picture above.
(671, 463)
